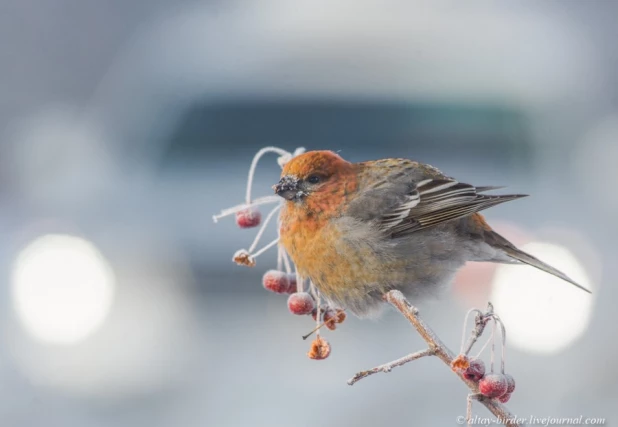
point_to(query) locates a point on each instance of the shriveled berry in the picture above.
(460, 363)
(505, 397)
(301, 303)
(276, 281)
(510, 382)
(248, 218)
(320, 349)
(330, 319)
(340, 314)
(292, 283)
(493, 385)
(475, 370)
(242, 257)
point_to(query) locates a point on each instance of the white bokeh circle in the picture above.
(542, 313)
(62, 288)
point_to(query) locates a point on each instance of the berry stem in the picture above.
(486, 344)
(259, 201)
(493, 345)
(265, 248)
(465, 328)
(503, 332)
(260, 232)
(280, 258)
(320, 325)
(316, 297)
(254, 163)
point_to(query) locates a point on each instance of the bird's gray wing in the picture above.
(414, 198)
(388, 188)
(436, 201)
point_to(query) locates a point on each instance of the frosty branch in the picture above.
(437, 348)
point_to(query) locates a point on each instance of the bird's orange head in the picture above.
(315, 177)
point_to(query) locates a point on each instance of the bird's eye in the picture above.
(313, 179)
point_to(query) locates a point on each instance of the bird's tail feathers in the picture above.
(526, 258)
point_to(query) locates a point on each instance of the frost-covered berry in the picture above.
(292, 283)
(511, 383)
(320, 349)
(314, 312)
(505, 397)
(301, 303)
(475, 370)
(248, 218)
(276, 281)
(493, 385)
(332, 317)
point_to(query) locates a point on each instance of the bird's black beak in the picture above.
(287, 188)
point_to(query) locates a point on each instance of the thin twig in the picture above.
(437, 348)
(387, 367)
(470, 398)
(319, 326)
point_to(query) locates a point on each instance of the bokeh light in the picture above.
(542, 313)
(62, 288)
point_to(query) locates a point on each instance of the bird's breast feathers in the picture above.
(341, 255)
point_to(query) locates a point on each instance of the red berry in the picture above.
(493, 385)
(511, 383)
(292, 283)
(330, 319)
(320, 349)
(505, 397)
(301, 303)
(248, 218)
(475, 370)
(314, 312)
(276, 281)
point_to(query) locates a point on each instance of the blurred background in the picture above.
(126, 125)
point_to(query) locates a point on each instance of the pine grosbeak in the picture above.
(358, 230)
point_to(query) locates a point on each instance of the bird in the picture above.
(360, 230)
